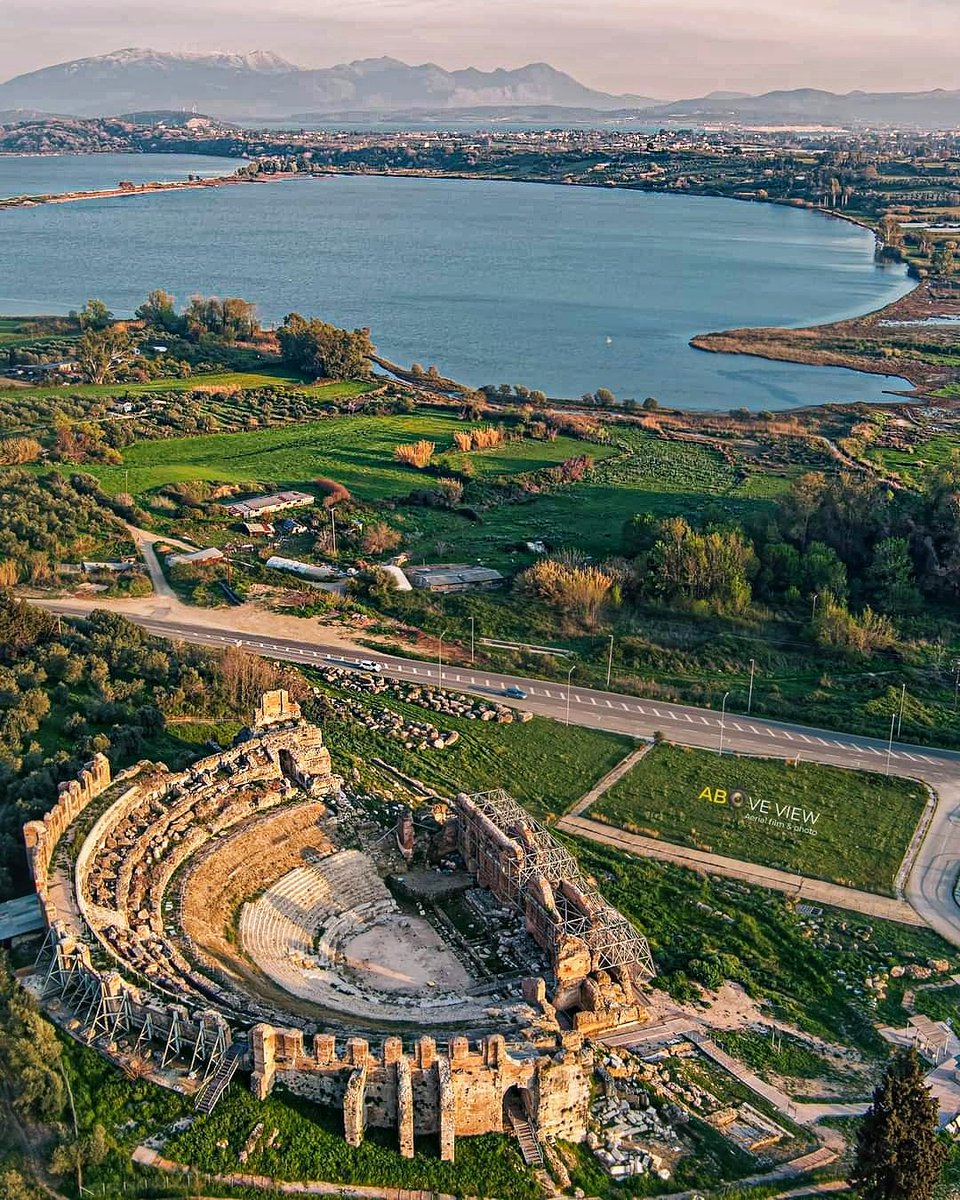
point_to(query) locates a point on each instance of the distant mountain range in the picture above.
(264, 86)
(916, 110)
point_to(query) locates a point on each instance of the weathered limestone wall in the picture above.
(457, 1094)
(41, 836)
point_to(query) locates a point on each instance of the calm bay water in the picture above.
(51, 174)
(564, 289)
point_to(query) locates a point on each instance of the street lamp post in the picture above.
(472, 631)
(893, 718)
(813, 614)
(903, 697)
(440, 661)
(723, 714)
(753, 667)
(569, 673)
(610, 662)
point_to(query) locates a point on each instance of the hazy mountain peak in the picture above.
(262, 84)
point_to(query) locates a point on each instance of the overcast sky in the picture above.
(663, 48)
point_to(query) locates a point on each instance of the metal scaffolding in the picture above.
(612, 939)
(106, 1009)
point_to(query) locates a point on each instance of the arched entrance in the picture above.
(516, 1106)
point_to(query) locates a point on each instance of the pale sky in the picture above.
(663, 48)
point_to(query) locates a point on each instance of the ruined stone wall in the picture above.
(123, 1009)
(41, 837)
(459, 1093)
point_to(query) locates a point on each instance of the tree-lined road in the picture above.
(931, 882)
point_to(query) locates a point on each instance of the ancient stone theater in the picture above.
(436, 969)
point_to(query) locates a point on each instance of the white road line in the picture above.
(592, 701)
(754, 729)
(704, 721)
(609, 704)
(624, 707)
(786, 735)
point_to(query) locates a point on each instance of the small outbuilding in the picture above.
(452, 577)
(210, 554)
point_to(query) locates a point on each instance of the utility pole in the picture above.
(753, 667)
(893, 718)
(723, 714)
(569, 673)
(440, 661)
(333, 532)
(472, 628)
(610, 662)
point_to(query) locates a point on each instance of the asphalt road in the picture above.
(930, 885)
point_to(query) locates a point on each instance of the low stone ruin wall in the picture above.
(457, 1093)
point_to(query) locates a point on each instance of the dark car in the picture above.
(515, 693)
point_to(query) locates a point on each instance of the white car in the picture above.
(368, 664)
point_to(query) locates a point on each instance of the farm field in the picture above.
(262, 377)
(849, 827)
(356, 451)
(934, 452)
(644, 473)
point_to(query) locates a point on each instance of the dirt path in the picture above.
(606, 783)
(815, 891)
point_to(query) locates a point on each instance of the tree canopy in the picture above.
(899, 1155)
(322, 350)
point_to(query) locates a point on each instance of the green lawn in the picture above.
(356, 451)
(850, 827)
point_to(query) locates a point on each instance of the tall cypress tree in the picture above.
(899, 1153)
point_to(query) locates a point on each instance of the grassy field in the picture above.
(356, 451)
(934, 452)
(849, 827)
(810, 969)
(644, 473)
(263, 377)
(543, 765)
(941, 1004)
(311, 1146)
